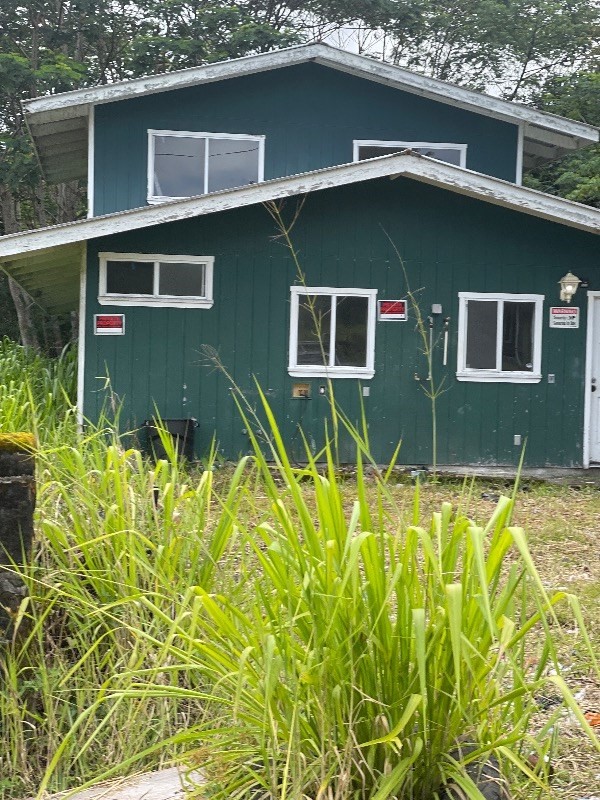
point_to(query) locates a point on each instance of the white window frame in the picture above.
(332, 371)
(157, 300)
(462, 148)
(463, 373)
(152, 134)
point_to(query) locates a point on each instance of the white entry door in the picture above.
(594, 386)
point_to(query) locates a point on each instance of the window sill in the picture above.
(155, 302)
(340, 372)
(156, 201)
(499, 377)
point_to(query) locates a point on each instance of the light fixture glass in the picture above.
(568, 287)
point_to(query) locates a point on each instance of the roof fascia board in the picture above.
(409, 165)
(75, 103)
(179, 79)
(509, 195)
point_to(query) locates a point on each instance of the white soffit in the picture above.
(49, 274)
(58, 123)
(47, 261)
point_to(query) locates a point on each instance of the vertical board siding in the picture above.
(448, 244)
(310, 116)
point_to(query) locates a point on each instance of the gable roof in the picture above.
(59, 123)
(47, 261)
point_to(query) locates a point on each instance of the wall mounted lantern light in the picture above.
(568, 287)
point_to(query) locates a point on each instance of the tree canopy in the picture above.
(576, 177)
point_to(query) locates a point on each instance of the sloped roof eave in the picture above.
(50, 276)
(59, 121)
(22, 254)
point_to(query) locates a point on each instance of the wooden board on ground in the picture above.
(166, 784)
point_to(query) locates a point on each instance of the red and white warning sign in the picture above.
(392, 310)
(564, 317)
(109, 324)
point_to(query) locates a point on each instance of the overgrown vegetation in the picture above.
(37, 393)
(295, 633)
(576, 177)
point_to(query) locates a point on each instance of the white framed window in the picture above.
(332, 332)
(144, 279)
(188, 163)
(500, 337)
(450, 152)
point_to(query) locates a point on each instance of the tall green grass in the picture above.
(112, 531)
(294, 634)
(120, 542)
(37, 393)
(367, 653)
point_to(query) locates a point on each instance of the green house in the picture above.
(403, 199)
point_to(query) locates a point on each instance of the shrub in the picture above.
(368, 659)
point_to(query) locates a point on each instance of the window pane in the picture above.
(517, 337)
(482, 320)
(351, 331)
(374, 151)
(129, 277)
(314, 324)
(178, 166)
(449, 154)
(181, 280)
(232, 162)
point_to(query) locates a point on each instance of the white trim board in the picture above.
(331, 371)
(156, 300)
(497, 375)
(415, 146)
(409, 165)
(91, 166)
(244, 137)
(589, 356)
(520, 146)
(81, 340)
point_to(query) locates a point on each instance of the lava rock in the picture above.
(12, 593)
(17, 504)
(485, 774)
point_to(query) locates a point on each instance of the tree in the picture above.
(186, 34)
(576, 177)
(509, 47)
(33, 59)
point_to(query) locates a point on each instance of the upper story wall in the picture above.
(308, 113)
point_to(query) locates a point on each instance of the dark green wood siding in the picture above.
(449, 243)
(310, 116)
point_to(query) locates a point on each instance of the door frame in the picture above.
(589, 358)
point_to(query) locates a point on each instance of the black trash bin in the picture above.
(181, 431)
